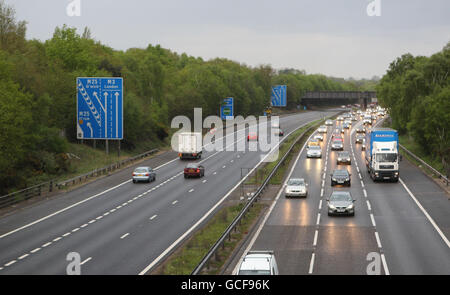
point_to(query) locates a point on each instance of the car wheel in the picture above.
(185, 176)
(134, 181)
(154, 178)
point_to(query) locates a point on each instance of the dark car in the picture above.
(194, 170)
(341, 202)
(344, 157)
(361, 129)
(359, 138)
(340, 176)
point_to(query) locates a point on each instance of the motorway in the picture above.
(406, 224)
(119, 227)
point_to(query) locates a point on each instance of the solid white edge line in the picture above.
(436, 227)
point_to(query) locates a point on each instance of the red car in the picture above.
(252, 136)
(194, 169)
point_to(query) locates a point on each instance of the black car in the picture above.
(340, 176)
(359, 138)
(361, 129)
(344, 157)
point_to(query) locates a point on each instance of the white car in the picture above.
(329, 122)
(296, 187)
(318, 136)
(314, 151)
(323, 129)
(258, 263)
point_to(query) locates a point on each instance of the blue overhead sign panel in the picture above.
(100, 108)
(227, 109)
(279, 96)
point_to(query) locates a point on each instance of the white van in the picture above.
(259, 263)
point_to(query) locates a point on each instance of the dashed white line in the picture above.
(23, 256)
(311, 264)
(315, 238)
(100, 217)
(85, 261)
(35, 250)
(57, 239)
(204, 181)
(386, 270)
(174, 202)
(377, 237)
(92, 221)
(320, 205)
(224, 166)
(84, 225)
(124, 236)
(11, 263)
(214, 173)
(362, 183)
(66, 234)
(368, 206)
(46, 244)
(153, 217)
(373, 219)
(365, 193)
(191, 190)
(318, 219)
(321, 192)
(75, 229)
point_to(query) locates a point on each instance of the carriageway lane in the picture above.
(409, 241)
(130, 216)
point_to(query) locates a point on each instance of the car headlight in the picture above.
(339, 159)
(334, 179)
(347, 179)
(350, 206)
(331, 206)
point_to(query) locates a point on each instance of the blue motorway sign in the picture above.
(99, 108)
(227, 109)
(279, 96)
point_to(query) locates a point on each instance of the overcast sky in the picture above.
(332, 37)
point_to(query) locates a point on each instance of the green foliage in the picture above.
(416, 90)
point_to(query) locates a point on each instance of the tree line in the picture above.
(416, 89)
(38, 86)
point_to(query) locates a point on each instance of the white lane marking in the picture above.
(232, 161)
(100, 217)
(92, 221)
(46, 244)
(57, 239)
(320, 205)
(311, 264)
(191, 190)
(360, 177)
(318, 219)
(66, 234)
(84, 225)
(321, 192)
(323, 183)
(214, 173)
(75, 229)
(124, 236)
(86, 261)
(224, 166)
(204, 181)
(362, 183)
(24, 256)
(11, 263)
(324, 175)
(118, 207)
(372, 218)
(35, 250)
(365, 193)
(377, 237)
(386, 270)
(153, 217)
(62, 210)
(315, 237)
(444, 238)
(368, 206)
(174, 202)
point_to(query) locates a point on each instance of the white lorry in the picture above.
(190, 145)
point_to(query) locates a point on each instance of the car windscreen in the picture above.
(344, 154)
(386, 157)
(141, 170)
(296, 182)
(337, 141)
(314, 147)
(340, 197)
(191, 166)
(340, 173)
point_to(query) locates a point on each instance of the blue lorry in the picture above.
(382, 157)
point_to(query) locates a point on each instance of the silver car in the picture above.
(329, 122)
(343, 157)
(314, 151)
(341, 202)
(323, 128)
(296, 187)
(259, 263)
(146, 174)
